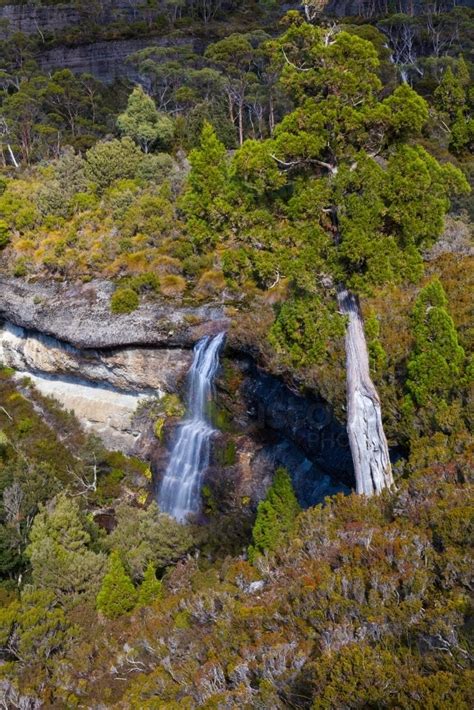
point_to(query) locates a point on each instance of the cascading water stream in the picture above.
(180, 489)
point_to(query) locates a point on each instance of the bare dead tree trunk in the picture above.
(367, 438)
(12, 156)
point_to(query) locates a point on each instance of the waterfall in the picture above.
(181, 485)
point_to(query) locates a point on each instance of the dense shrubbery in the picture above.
(353, 588)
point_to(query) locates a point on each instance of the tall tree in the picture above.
(376, 201)
(435, 366)
(276, 515)
(205, 201)
(142, 122)
(117, 594)
(146, 536)
(60, 554)
(235, 56)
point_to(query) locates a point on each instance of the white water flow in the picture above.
(180, 489)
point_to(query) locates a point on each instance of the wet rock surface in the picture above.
(278, 428)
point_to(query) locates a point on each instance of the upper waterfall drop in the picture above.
(180, 489)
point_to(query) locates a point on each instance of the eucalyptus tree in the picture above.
(235, 57)
(142, 122)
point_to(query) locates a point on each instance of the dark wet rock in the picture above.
(274, 426)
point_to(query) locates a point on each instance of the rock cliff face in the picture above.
(97, 364)
(101, 366)
(32, 19)
(103, 388)
(126, 369)
(105, 60)
(277, 427)
(79, 314)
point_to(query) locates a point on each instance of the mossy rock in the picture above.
(227, 454)
(158, 428)
(172, 405)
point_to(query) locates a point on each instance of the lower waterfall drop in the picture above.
(180, 489)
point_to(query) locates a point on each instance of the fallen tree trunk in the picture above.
(367, 438)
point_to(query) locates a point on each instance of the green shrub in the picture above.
(144, 282)
(303, 328)
(25, 425)
(172, 285)
(4, 442)
(20, 269)
(151, 588)
(124, 300)
(83, 201)
(109, 161)
(158, 428)
(155, 167)
(276, 516)
(4, 234)
(117, 594)
(182, 620)
(172, 405)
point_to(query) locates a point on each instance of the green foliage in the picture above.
(358, 676)
(182, 620)
(4, 234)
(172, 406)
(60, 553)
(36, 629)
(377, 355)
(146, 282)
(151, 588)
(144, 536)
(158, 428)
(453, 99)
(124, 300)
(112, 160)
(117, 594)
(303, 328)
(168, 406)
(142, 122)
(435, 367)
(4, 442)
(204, 201)
(156, 168)
(450, 95)
(417, 194)
(276, 516)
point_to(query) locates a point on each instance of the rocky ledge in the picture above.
(79, 314)
(65, 339)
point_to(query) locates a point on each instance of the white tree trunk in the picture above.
(12, 156)
(367, 438)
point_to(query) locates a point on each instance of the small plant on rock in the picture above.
(124, 300)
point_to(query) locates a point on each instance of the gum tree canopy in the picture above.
(348, 187)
